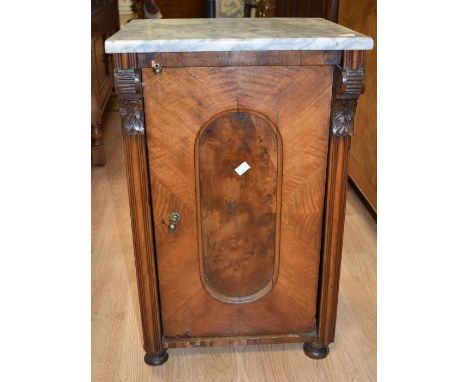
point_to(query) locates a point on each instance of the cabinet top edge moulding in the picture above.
(235, 34)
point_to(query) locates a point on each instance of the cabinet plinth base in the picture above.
(315, 352)
(156, 359)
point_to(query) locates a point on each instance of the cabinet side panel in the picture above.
(128, 86)
(348, 82)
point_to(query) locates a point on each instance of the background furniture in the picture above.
(174, 9)
(104, 23)
(237, 172)
(361, 15)
(327, 9)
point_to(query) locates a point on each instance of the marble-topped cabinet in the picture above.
(236, 135)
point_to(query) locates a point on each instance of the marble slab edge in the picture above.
(235, 45)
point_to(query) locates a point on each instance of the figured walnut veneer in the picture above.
(178, 103)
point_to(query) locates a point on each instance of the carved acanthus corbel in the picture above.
(348, 84)
(129, 89)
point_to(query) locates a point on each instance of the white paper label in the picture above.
(242, 168)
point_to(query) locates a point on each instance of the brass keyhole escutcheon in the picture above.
(157, 67)
(174, 218)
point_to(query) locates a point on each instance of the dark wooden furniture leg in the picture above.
(128, 85)
(315, 350)
(98, 154)
(347, 84)
(156, 359)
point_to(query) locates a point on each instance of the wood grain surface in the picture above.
(238, 215)
(244, 58)
(335, 202)
(129, 89)
(117, 354)
(178, 102)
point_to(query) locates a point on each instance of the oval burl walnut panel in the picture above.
(239, 158)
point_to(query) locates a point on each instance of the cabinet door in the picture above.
(240, 153)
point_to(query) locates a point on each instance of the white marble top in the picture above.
(234, 34)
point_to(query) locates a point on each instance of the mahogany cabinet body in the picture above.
(237, 172)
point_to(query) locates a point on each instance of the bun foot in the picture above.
(315, 352)
(156, 359)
